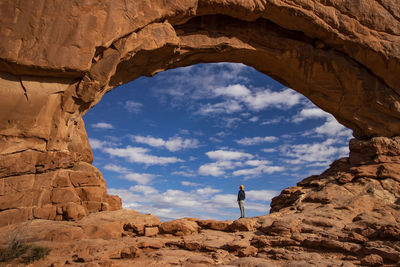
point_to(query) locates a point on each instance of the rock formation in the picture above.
(58, 58)
(347, 216)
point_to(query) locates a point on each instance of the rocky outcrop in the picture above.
(347, 216)
(58, 58)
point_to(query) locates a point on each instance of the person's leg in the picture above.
(241, 206)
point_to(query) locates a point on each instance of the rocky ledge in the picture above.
(347, 216)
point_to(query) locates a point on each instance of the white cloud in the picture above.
(198, 82)
(133, 107)
(178, 143)
(226, 107)
(202, 203)
(145, 189)
(261, 167)
(184, 131)
(172, 144)
(237, 96)
(115, 168)
(102, 125)
(98, 144)
(187, 183)
(211, 169)
(321, 153)
(261, 195)
(234, 91)
(215, 140)
(222, 134)
(264, 99)
(140, 155)
(247, 141)
(206, 191)
(225, 200)
(332, 128)
(258, 171)
(225, 155)
(273, 121)
(254, 119)
(257, 162)
(229, 160)
(269, 150)
(230, 122)
(310, 113)
(149, 140)
(140, 178)
(184, 173)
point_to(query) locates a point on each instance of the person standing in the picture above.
(241, 197)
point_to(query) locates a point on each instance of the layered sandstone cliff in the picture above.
(58, 58)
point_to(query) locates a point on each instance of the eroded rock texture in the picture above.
(347, 216)
(58, 58)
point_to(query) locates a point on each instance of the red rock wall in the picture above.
(58, 58)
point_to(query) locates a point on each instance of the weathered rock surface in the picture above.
(58, 58)
(323, 221)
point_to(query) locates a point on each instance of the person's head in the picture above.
(241, 187)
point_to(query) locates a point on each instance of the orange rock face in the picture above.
(58, 60)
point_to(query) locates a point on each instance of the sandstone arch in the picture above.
(57, 59)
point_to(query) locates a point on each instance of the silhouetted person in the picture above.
(241, 197)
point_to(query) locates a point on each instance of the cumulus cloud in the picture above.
(205, 203)
(258, 167)
(184, 173)
(318, 153)
(144, 189)
(238, 96)
(230, 160)
(254, 119)
(103, 125)
(187, 183)
(215, 140)
(198, 82)
(273, 121)
(226, 107)
(310, 113)
(258, 171)
(247, 141)
(261, 195)
(98, 144)
(172, 144)
(140, 178)
(332, 128)
(264, 99)
(133, 107)
(269, 150)
(212, 169)
(225, 155)
(140, 155)
(115, 168)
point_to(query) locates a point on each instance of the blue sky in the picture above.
(179, 144)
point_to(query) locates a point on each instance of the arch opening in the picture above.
(179, 144)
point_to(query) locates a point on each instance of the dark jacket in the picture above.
(241, 195)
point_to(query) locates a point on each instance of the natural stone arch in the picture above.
(57, 61)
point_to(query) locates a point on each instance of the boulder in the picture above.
(179, 227)
(214, 225)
